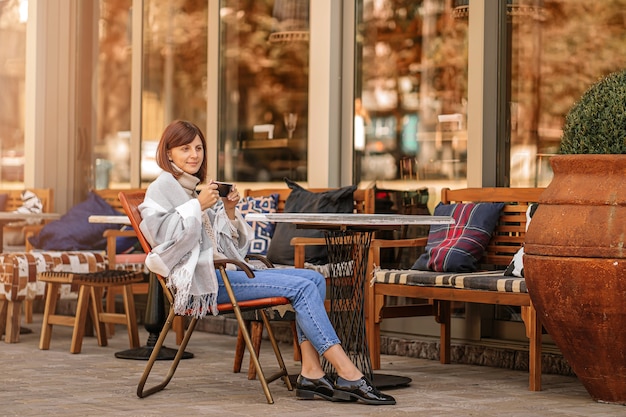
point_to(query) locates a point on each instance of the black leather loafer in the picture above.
(363, 390)
(307, 389)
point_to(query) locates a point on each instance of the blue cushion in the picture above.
(73, 230)
(263, 231)
(459, 247)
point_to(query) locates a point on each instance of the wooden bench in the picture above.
(487, 288)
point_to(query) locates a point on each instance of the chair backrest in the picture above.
(14, 199)
(111, 195)
(130, 203)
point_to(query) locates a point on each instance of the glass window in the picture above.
(557, 50)
(112, 146)
(13, 17)
(411, 91)
(174, 71)
(263, 79)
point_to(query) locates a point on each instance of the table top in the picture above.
(319, 219)
(121, 219)
(9, 215)
(349, 219)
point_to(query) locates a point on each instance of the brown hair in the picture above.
(179, 133)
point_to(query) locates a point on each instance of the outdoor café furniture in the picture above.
(488, 285)
(18, 275)
(348, 237)
(130, 203)
(152, 320)
(363, 201)
(9, 217)
(14, 200)
(91, 287)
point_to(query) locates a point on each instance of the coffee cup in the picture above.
(223, 188)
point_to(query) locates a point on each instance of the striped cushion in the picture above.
(484, 281)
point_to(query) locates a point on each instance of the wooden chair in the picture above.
(130, 203)
(131, 261)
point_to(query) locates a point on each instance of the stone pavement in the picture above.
(95, 383)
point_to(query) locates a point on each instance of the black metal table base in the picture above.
(347, 256)
(385, 381)
(144, 352)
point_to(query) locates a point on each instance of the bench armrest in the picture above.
(31, 230)
(299, 245)
(377, 244)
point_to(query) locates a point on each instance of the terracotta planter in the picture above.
(575, 268)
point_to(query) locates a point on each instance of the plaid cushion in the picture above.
(484, 281)
(459, 247)
(263, 231)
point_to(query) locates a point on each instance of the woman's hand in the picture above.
(208, 196)
(230, 202)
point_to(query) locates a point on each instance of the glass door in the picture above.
(13, 17)
(410, 91)
(263, 96)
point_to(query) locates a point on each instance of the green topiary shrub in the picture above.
(596, 124)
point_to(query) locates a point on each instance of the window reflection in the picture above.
(12, 86)
(411, 79)
(174, 71)
(264, 61)
(112, 145)
(558, 49)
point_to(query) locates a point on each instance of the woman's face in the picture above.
(188, 157)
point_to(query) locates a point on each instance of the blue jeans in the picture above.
(305, 288)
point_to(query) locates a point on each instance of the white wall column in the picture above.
(325, 56)
(483, 93)
(52, 145)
